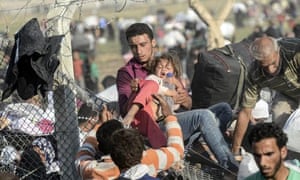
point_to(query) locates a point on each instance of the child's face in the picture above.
(163, 67)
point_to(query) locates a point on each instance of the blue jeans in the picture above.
(223, 114)
(203, 122)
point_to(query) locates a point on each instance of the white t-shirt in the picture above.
(161, 89)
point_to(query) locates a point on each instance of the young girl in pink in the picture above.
(144, 110)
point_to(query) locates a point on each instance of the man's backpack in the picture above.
(219, 75)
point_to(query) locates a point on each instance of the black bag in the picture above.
(33, 62)
(219, 75)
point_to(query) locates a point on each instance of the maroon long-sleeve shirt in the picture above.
(133, 69)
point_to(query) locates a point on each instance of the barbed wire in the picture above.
(56, 4)
(120, 3)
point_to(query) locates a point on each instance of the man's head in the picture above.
(104, 134)
(141, 41)
(268, 143)
(127, 148)
(266, 51)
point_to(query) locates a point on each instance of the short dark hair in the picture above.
(108, 81)
(139, 29)
(104, 134)
(127, 148)
(268, 130)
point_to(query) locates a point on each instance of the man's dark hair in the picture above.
(108, 81)
(127, 148)
(268, 130)
(104, 134)
(139, 29)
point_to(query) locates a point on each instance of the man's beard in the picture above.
(276, 168)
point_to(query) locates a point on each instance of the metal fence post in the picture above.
(66, 131)
(66, 126)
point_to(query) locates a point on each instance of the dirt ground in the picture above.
(108, 65)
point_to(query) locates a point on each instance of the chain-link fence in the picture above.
(40, 136)
(52, 124)
(56, 121)
(48, 122)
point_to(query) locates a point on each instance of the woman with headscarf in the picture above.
(38, 161)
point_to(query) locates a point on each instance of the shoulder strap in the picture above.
(289, 47)
(242, 76)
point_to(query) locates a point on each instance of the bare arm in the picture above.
(183, 99)
(240, 129)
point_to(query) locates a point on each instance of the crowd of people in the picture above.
(139, 104)
(183, 32)
(141, 110)
(148, 128)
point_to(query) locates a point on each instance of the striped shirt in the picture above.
(286, 81)
(156, 159)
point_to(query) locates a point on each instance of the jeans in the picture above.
(203, 122)
(223, 114)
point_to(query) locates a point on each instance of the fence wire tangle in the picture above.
(47, 125)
